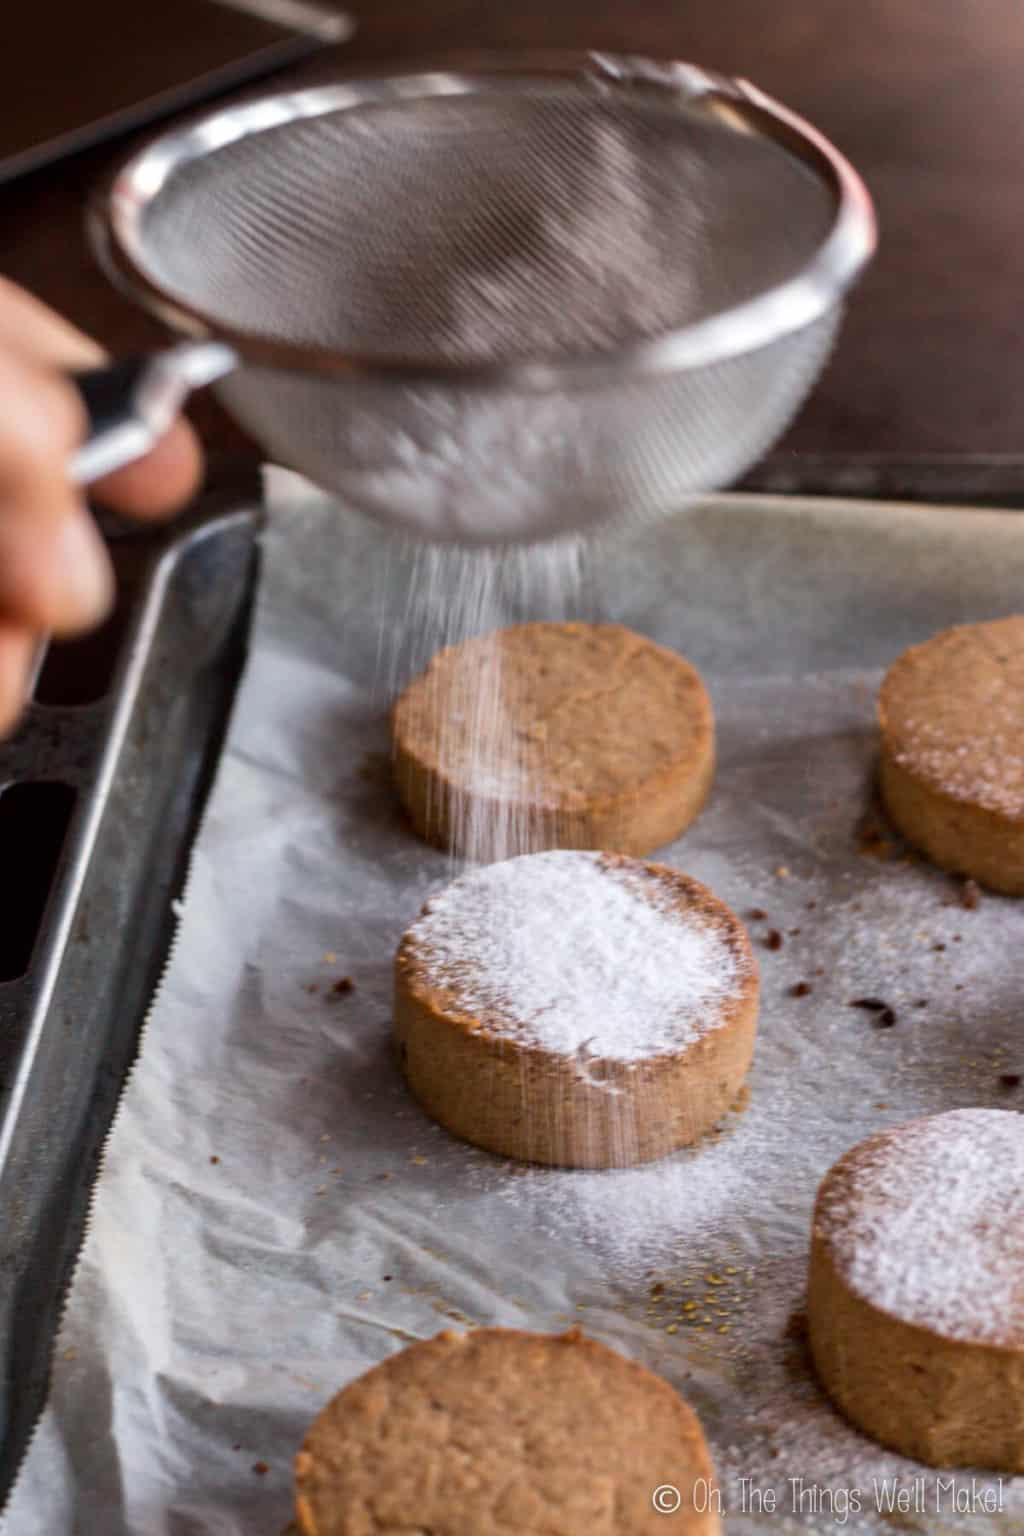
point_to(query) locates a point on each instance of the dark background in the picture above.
(926, 99)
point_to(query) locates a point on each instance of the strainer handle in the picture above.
(131, 404)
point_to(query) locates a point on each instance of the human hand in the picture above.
(55, 577)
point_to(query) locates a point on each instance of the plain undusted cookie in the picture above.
(498, 1432)
(952, 770)
(916, 1295)
(574, 1008)
(554, 736)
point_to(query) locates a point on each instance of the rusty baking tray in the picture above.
(993, 480)
(101, 791)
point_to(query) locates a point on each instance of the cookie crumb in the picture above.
(214, 1158)
(773, 939)
(869, 1004)
(872, 841)
(343, 985)
(782, 872)
(801, 989)
(757, 914)
(886, 1019)
(970, 895)
(260, 1468)
(1009, 1080)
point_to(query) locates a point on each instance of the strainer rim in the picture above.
(814, 290)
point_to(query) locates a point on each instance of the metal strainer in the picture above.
(496, 305)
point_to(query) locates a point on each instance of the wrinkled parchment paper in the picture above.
(274, 1214)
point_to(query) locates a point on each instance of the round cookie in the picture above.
(498, 1431)
(580, 1009)
(952, 767)
(554, 736)
(916, 1291)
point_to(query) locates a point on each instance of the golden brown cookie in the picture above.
(498, 1432)
(575, 1008)
(916, 1294)
(952, 769)
(554, 736)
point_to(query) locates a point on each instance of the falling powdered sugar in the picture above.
(583, 954)
(926, 1222)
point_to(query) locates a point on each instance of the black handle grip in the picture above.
(109, 394)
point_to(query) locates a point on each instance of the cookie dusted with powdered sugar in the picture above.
(916, 1292)
(574, 1008)
(498, 1432)
(554, 736)
(952, 768)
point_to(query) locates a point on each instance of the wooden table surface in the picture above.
(925, 99)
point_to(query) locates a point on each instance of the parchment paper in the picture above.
(274, 1214)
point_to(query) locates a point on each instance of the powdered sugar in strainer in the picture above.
(495, 305)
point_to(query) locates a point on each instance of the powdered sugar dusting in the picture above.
(929, 1224)
(582, 955)
(995, 780)
(954, 717)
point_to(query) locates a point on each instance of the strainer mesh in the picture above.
(484, 227)
(543, 221)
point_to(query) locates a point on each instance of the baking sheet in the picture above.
(275, 1215)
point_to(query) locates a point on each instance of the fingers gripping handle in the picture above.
(131, 404)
